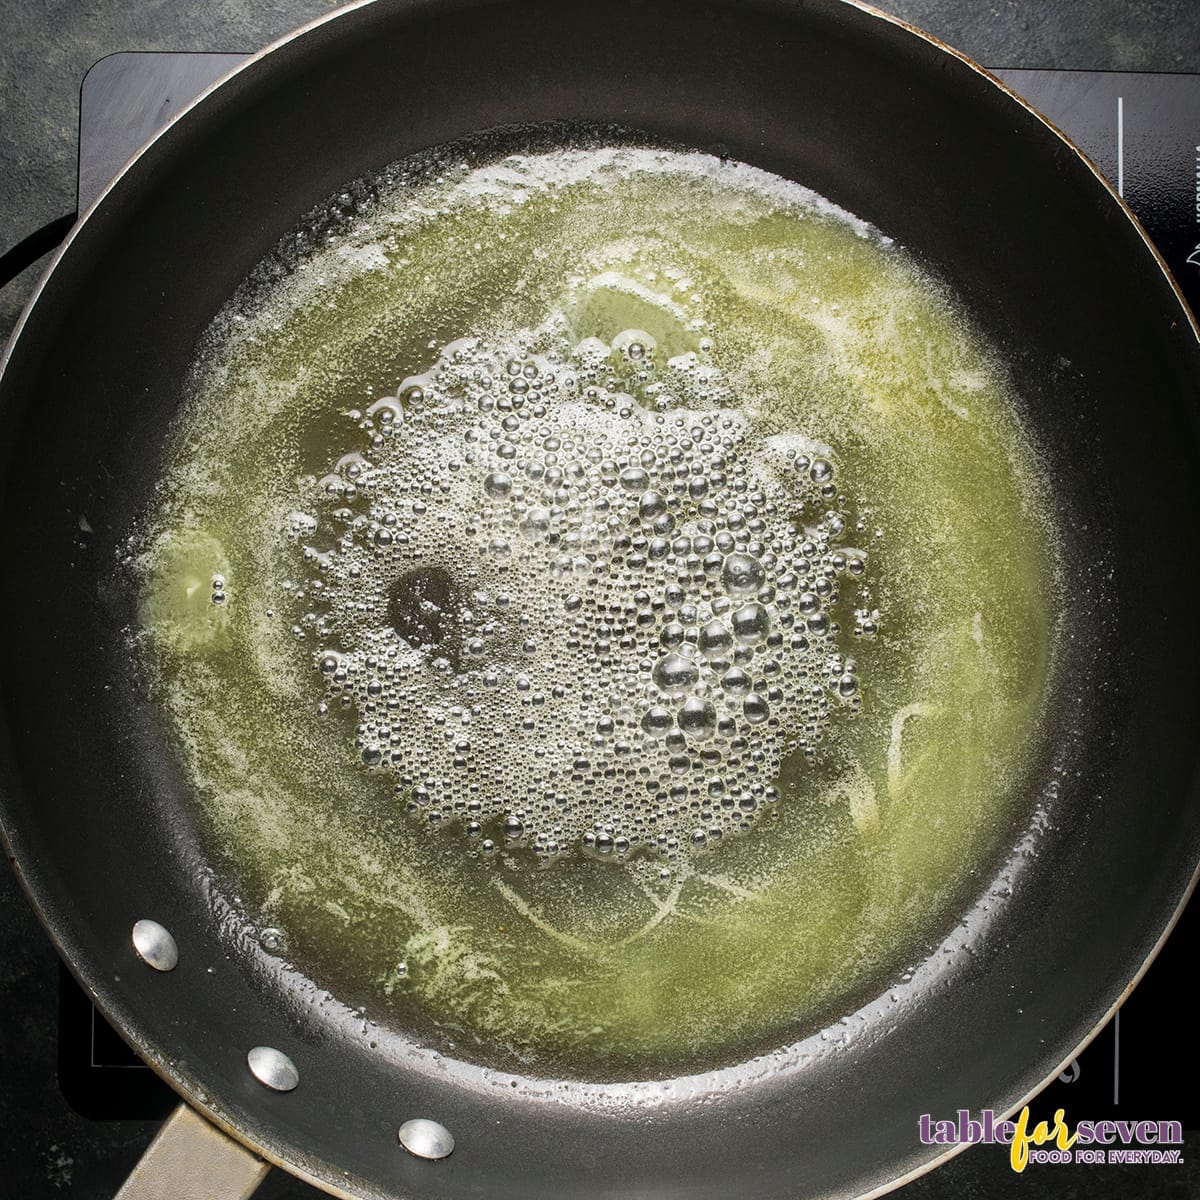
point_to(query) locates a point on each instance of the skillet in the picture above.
(883, 122)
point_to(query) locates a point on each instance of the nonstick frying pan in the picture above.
(886, 123)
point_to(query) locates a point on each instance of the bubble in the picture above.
(673, 635)
(697, 718)
(735, 682)
(750, 624)
(272, 940)
(387, 410)
(634, 344)
(651, 507)
(742, 575)
(658, 721)
(497, 484)
(674, 673)
(536, 522)
(866, 624)
(593, 593)
(715, 639)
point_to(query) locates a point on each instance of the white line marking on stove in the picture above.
(1116, 1056)
(1121, 149)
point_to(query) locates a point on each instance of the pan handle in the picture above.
(27, 251)
(190, 1159)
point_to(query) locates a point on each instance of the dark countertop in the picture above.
(45, 1148)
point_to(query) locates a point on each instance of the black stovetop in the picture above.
(76, 1107)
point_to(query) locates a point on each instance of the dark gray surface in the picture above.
(45, 1150)
(129, 96)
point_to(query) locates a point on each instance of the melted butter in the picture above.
(818, 327)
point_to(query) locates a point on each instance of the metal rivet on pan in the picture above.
(155, 945)
(273, 1068)
(426, 1139)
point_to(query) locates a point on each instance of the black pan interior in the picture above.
(885, 124)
